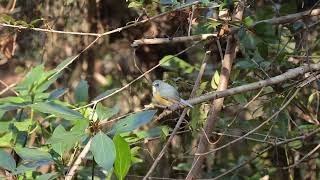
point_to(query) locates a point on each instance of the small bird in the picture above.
(167, 95)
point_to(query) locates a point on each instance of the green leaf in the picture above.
(105, 112)
(33, 154)
(62, 140)
(134, 155)
(57, 110)
(31, 78)
(4, 127)
(133, 121)
(23, 125)
(123, 157)
(57, 93)
(266, 31)
(103, 150)
(244, 63)
(64, 64)
(135, 5)
(248, 21)
(239, 98)
(5, 140)
(295, 144)
(49, 176)
(81, 92)
(215, 80)
(173, 63)
(247, 40)
(6, 161)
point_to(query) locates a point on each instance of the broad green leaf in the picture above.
(4, 127)
(5, 140)
(57, 93)
(176, 64)
(33, 157)
(57, 110)
(23, 125)
(248, 21)
(240, 98)
(105, 112)
(153, 132)
(81, 92)
(12, 99)
(49, 176)
(133, 121)
(244, 63)
(62, 140)
(32, 77)
(103, 150)
(23, 168)
(123, 157)
(46, 81)
(266, 31)
(6, 161)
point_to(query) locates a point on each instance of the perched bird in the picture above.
(167, 95)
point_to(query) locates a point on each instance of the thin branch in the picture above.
(105, 33)
(200, 37)
(176, 128)
(253, 130)
(141, 76)
(8, 87)
(304, 157)
(217, 104)
(290, 74)
(76, 164)
(265, 150)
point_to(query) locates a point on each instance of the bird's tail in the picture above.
(184, 102)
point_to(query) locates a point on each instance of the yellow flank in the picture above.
(161, 100)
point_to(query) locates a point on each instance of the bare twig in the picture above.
(8, 87)
(304, 157)
(76, 164)
(218, 103)
(142, 75)
(265, 150)
(253, 130)
(105, 33)
(176, 128)
(172, 39)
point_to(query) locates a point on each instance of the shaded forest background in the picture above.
(49, 75)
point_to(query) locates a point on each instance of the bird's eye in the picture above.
(156, 84)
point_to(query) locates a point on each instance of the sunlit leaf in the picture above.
(123, 157)
(176, 64)
(103, 150)
(215, 80)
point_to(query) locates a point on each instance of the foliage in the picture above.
(73, 92)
